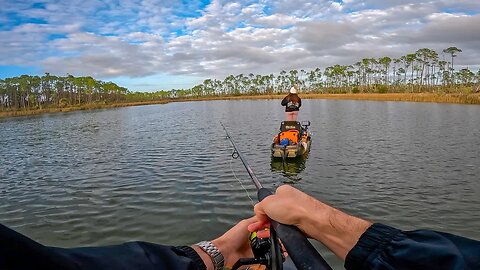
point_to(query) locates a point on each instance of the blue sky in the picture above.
(148, 45)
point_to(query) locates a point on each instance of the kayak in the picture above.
(292, 141)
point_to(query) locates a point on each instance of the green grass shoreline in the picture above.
(402, 97)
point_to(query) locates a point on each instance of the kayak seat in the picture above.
(289, 125)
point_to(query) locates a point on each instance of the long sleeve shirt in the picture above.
(385, 247)
(290, 105)
(19, 252)
(380, 247)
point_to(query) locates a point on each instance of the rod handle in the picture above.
(302, 252)
(263, 193)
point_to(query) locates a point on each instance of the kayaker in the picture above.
(292, 103)
(360, 243)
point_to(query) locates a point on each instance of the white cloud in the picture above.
(145, 37)
(319, 36)
(105, 56)
(276, 20)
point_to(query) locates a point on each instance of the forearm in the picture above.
(364, 245)
(336, 230)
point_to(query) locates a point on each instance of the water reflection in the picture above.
(163, 173)
(289, 168)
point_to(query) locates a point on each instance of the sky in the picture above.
(148, 45)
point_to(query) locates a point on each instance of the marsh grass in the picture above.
(461, 98)
(92, 106)
(408, 97)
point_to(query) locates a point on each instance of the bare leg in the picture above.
(294, 116)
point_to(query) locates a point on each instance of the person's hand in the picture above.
(336, 230)
(233, 244)
(289, 206)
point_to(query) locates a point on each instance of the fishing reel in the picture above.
(266, 251)
(300, 249)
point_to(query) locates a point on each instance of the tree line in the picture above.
(37, 92)
(422, 71)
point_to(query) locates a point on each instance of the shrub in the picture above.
(382, 89)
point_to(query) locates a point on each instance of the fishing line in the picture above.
(246, 191)
(303, 253)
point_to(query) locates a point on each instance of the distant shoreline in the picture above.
(402, 97)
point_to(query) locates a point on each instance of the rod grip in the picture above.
(302, 252)
(263, 193)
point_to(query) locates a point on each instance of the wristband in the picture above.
(213, 252)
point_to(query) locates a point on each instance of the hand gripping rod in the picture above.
(302, 252)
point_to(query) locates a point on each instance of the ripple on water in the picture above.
(163, 173)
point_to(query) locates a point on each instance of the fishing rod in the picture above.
(302, 252)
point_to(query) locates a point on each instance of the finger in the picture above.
(248, 221)
(263, 233)
(257, 226)
(260, 208)
(243, 224)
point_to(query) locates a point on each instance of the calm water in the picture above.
(163, 173)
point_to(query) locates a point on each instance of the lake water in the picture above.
(163, 173)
